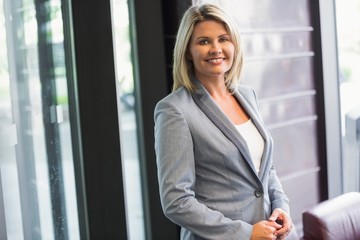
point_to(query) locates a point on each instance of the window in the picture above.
(37, 183)
(348, 33)
(128, 120)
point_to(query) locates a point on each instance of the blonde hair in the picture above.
(182, 66)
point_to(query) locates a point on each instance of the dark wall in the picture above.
(151, 84)
(172, 13)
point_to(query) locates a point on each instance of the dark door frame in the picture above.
(99, 167)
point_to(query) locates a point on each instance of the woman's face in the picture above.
(211, 49)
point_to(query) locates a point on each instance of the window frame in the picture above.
(99, 167)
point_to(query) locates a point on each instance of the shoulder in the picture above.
(247, 92)
(178, 101)
(249, 96)
(246, 89)
(175, 98)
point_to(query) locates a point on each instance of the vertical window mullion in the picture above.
(95, 78)
(47, 79)
(69, 53)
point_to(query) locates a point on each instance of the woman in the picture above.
(214, 155)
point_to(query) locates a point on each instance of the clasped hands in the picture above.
(277, 227)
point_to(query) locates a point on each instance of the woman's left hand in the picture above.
(281, 217)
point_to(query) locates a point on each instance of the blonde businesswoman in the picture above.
(214, 154)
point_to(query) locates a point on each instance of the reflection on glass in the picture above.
(36, 163)
(127, 116)
(348, 34)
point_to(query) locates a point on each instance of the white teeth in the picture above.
(216, 60)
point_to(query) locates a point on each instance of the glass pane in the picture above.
(348, 33)
(36, 163)
(10, 201)
(128, 128)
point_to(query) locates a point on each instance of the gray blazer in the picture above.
(208, 183)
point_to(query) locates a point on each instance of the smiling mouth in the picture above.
(215, 60)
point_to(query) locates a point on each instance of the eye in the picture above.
(204, 42)
(224, 39)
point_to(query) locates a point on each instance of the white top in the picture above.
(254, 141)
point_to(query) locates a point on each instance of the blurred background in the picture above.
(79, 81)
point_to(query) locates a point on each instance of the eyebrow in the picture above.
(222, 35)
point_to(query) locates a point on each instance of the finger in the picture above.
(275, 214)
(274, 225)
(282, 232)
(272, 236)
(286, 224)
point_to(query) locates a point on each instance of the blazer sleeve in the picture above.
(176, 176)
(277, 196)
(276, 193)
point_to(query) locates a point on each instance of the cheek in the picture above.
(193, 54)
(197, 53)
(231, 51)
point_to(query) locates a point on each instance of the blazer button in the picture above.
(258, 193)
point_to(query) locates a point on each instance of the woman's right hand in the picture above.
(264, 230)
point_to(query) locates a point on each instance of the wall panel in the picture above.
(295, 149)
(274, 77)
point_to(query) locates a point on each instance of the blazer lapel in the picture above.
(251, 111)
(204, 101)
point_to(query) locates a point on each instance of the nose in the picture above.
(215, 50)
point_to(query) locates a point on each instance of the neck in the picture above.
(215, 86)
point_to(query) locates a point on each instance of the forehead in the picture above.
(209, 27)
